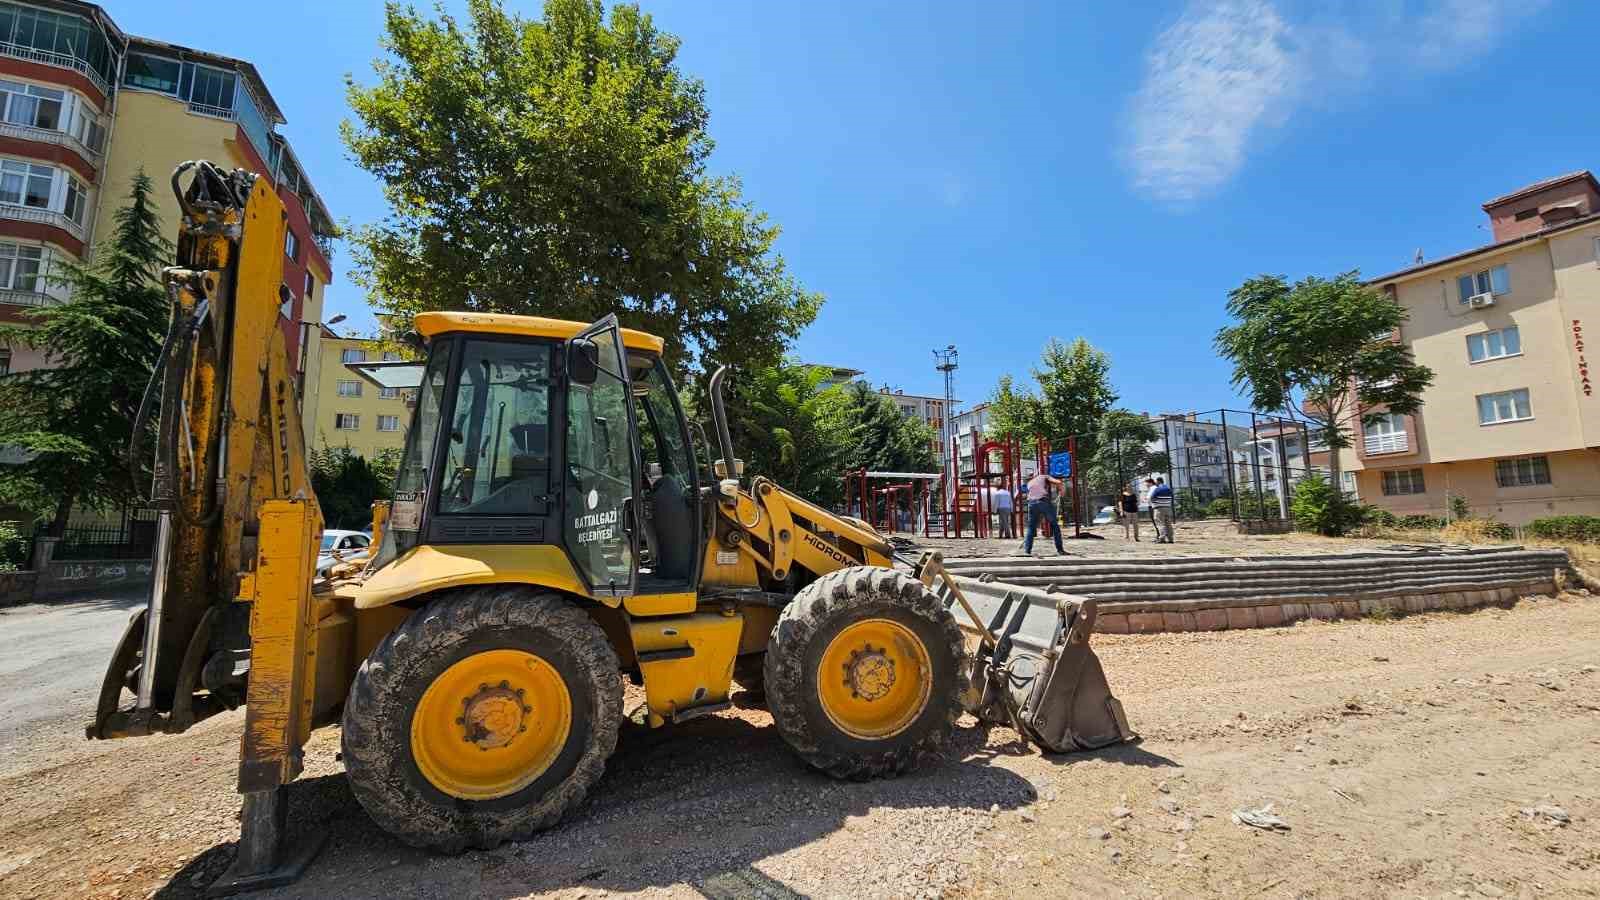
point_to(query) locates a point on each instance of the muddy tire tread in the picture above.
(788, 698)
(375, 739)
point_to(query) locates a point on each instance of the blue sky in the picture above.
(992, 175)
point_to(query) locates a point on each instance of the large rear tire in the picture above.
(861, 673)
(484, 718)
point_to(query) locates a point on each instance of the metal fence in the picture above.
(1222, 463)
(133, 538)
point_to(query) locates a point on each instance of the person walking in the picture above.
(1128, 511)
(1161, 510)
(1042, 508)
(1003, 510)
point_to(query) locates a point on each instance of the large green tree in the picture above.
(558, 167)
(1322, 349)
(780, 429)
(878, 436)
(73, 418)
(1074, 393)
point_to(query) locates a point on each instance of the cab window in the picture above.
(497, 459)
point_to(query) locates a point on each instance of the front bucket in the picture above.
(1029, 663)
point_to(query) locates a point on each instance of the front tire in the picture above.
(485, 717)
(861, 673)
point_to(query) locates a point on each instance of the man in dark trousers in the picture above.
(1042, 508)
(1161, 510)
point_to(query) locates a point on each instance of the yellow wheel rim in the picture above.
(491, 724)
(875, 679)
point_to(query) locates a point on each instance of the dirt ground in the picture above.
(1400, 754)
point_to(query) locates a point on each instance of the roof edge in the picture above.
(1541, 234)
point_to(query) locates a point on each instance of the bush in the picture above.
(1420, 522)
(13, 547)
(1472, 530)
(1377, 515)
(1320, 507)
(1585, 529)
(1220, 508)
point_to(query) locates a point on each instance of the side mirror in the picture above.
(583, 361)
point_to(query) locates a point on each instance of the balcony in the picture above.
(62, 60)
(42, 217)
(215, 112)
(49, 136)
(27, 298)
(1387, 442)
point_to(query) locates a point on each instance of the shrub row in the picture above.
(1567, 528)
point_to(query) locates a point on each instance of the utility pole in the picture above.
(947, 426)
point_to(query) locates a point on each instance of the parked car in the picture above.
(1105, 516)
(350, 546)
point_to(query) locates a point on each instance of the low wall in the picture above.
(1142, 595)
(62, 577)
(17, 587)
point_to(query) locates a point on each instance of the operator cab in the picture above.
(541, 432)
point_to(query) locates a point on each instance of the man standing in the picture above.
(1002, 509)
(1161, 509)
(1040, 508)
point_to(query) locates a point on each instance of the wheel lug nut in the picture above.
(460, 720)
(505, 684)
(519, 692)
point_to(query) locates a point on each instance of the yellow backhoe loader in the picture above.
(555, 527)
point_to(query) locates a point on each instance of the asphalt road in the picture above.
(52, 657)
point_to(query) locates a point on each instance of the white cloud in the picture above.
(1228, 72)
(1211, 80)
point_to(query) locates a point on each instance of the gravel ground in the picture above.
(1400, 754)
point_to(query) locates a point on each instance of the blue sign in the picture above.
(1061, 464)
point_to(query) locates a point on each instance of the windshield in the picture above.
(497, 461)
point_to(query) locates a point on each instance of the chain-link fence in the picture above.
(1222, 463)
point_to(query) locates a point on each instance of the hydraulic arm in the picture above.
(230, 617)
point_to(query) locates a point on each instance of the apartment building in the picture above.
(350, 411)
(83, 106)
(1511, 423)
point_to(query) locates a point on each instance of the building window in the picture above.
(1505, 406)
(208, 87)
(291, 245)
(1529, 470)
(77, 200)
(1494, 344)
(352, 355)
(1403, 481)
(5, 361)
(390, 356)
(31, 105)
(388, 393)
(153, 73)
(349, 388)
(1386, 434)
(311, 286)
(1489, 281)
(20, 266)
(388, 423)
(346, 421)
(1526, 214)
(25, 184)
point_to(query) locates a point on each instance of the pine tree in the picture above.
(75, 416)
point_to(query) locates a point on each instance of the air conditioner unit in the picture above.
(1479, 301)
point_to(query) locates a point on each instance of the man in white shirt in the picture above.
(1003, 510)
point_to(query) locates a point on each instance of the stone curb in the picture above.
(1157, 617)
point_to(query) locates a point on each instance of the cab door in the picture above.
(600, 500)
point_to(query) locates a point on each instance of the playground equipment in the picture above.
(877, 497)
